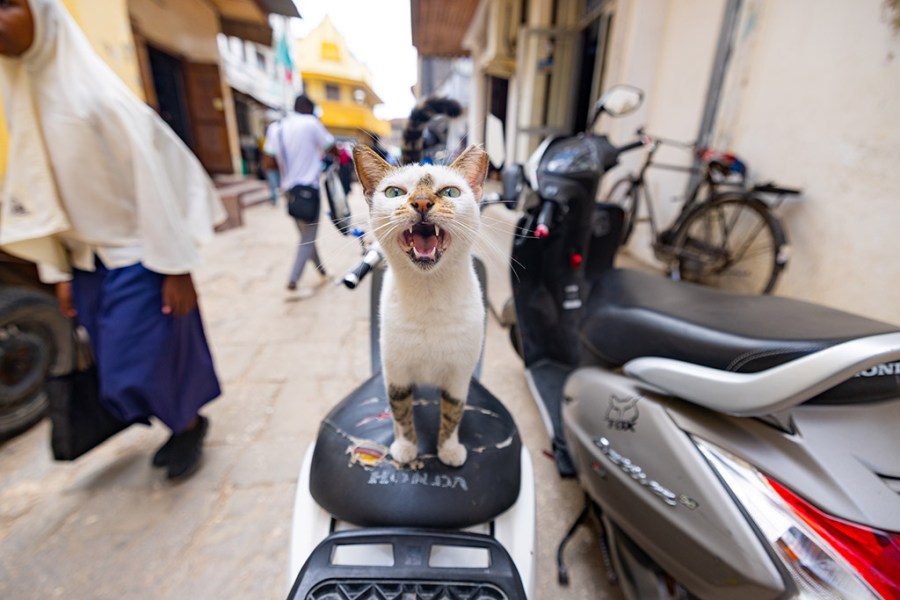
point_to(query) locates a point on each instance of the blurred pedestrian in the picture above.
(298, 144)
(375, 145)
(345, 167)
(101, 193)
(269, 165)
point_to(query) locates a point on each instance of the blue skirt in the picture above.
(149, 364)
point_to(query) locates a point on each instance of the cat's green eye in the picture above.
(394, 192)
(449, 192)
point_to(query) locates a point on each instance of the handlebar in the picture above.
(632, 146)
(369, 261)
(771, 188)
(545, 217)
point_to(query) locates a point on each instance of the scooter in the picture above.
(367, 527)
(552, 268)
(731, 446)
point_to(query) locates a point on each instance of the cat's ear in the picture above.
(370, 168)
(473, 164)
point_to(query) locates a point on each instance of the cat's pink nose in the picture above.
(422, 204)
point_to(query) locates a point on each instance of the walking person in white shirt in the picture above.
(99, 191)
(297, 143)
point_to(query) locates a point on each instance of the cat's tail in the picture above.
(413, 135)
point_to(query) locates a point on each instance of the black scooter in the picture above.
(563, 246)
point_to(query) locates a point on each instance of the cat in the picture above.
(425, 218)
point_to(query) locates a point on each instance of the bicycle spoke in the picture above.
(728, 244)
(760, 225)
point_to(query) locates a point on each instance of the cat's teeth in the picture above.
(437, 231)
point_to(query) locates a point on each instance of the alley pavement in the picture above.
(109, 525)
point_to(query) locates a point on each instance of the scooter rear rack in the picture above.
(340, 567)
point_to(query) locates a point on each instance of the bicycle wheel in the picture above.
(731, 242)
(624, 193)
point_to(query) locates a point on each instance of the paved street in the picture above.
(109, 526)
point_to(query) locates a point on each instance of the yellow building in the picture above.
(339, 84)
(166, 52)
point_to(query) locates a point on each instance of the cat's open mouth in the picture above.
(424, 243)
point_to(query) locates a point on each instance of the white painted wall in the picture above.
(810, 100)
(666, 49)
(813, 100)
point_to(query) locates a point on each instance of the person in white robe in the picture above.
(108, 201)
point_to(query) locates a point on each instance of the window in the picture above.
(330, 51)
(332, 91)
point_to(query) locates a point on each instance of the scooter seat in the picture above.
(632, 314)
(353, 477)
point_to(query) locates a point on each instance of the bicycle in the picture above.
(725, 237)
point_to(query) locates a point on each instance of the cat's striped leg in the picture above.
(453, 404)
(404, 448)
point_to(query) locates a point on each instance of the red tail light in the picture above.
(875, 554)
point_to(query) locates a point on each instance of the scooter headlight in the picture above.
(826, 557)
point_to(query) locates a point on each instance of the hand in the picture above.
(178, 295)
(269, 162)
(64, 298)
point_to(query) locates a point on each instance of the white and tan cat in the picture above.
(426, 217)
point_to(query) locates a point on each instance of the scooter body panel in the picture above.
(843, 459)
(652, 482)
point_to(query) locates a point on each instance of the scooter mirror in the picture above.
(618, 100)
(493, 140)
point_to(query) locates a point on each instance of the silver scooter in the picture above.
(731, 446)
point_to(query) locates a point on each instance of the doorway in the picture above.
(591, 81)
(167, 72)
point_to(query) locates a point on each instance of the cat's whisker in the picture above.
(493, 250)
(518, 231)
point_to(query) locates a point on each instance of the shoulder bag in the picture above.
(302, 200)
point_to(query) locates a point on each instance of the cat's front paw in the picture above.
(452, 454)
(403, 451)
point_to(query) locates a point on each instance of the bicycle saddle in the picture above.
(632, 314)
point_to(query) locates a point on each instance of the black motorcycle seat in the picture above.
(353, 477)
(632, 314)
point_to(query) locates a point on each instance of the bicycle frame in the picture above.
(639, 186)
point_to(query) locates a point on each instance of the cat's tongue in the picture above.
(424, 246)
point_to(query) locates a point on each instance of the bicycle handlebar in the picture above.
(369, 261)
